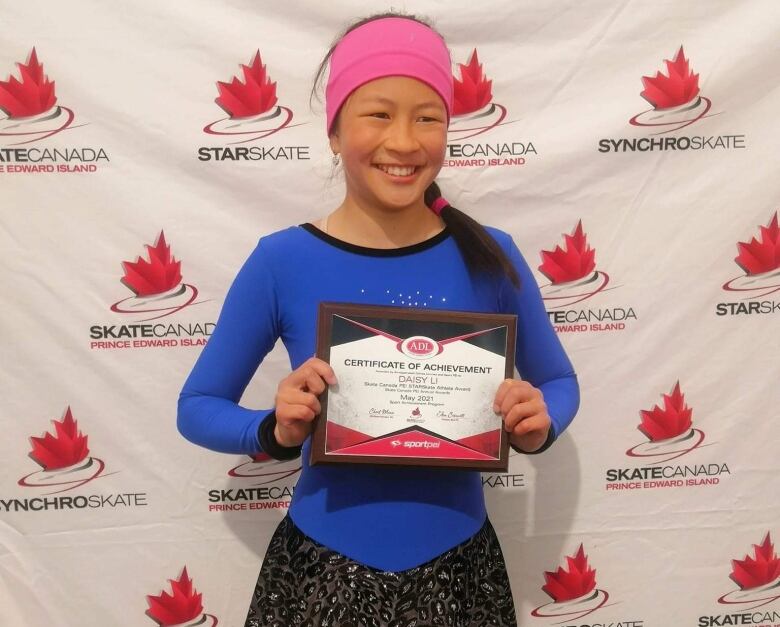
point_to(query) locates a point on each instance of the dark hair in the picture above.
(480, 251)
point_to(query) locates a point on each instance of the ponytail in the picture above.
(480, 251)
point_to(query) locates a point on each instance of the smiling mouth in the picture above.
(396, 170)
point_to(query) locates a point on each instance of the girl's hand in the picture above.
(297, 403)
(525, 414)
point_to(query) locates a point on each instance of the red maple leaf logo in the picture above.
(673, 420)
(578, 580)
(679, 87)
(758, 257)
(33, 95)
(161, 273)
(760, 570)
(576, 261)
(184, 604)
(66, 448)
(473, 91)
(256, 95)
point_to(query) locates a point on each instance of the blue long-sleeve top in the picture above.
(390, 518)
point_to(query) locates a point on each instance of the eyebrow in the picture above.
(389, 101)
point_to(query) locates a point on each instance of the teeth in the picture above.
(395, 170)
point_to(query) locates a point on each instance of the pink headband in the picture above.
(391, 46)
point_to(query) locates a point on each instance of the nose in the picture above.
(401, 136)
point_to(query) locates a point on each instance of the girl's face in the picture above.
(391, 134)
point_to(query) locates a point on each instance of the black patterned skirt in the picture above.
(304, 583)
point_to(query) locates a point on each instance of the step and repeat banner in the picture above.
(630, 150)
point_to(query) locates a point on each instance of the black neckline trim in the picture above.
(377, 252)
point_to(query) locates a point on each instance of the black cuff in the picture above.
(267, 439)
(547, 444)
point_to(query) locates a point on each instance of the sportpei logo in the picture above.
(426, 444)
(421, 444)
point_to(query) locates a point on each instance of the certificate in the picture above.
(414, 387)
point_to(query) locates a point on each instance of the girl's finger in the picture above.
(313, 382)
(289, 414)
(520, 392)
(323, 370)
(291, 396)
(503, 388)
(529, 425)
(518, 413)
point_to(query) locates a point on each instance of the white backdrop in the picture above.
(664, 187)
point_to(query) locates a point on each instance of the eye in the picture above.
(380, 114)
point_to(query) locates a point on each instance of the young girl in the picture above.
(378, 545)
